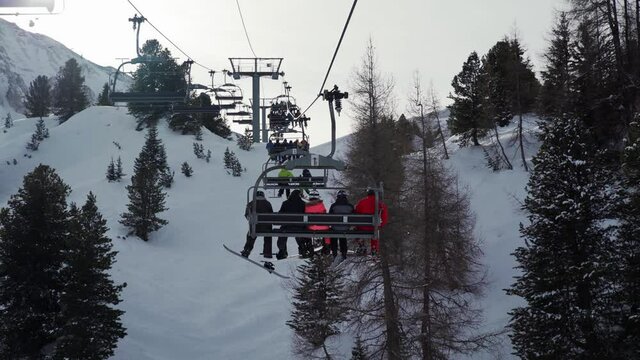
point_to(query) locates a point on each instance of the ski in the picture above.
(267, 266)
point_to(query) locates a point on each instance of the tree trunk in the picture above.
(444, 144)
(425, 330)
(394, 342)
(521, 140)
(504, 155)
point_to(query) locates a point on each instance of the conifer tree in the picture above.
(555, 96)
(187, 170)
(41, 130)
(466, 116)
(33, 231)
(163, 76)
(214, 123)
(198, 150)
(567, 277)
(245, 142)
(146, 196)
(118, 171)
(111, 171)
(359, 351)
(228, 158)
(92, 326)
(103, 98)
(69, 91)
(236, 167)
(208, 157)
(8, 121)
(38, 98)
(318, 295)
(628, 249)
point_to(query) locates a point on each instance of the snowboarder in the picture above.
(284, 173)
(367, 205)
(270, 149)
(293, 205)
(316, 206)
(340, 206)
(262, 206)
(305, 185)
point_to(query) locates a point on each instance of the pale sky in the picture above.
(431, 36)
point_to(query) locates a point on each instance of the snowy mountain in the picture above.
(186, 297)
(25, 55)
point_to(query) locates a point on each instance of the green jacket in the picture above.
(284, 173)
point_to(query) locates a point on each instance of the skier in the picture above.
(293, 205)
(316, 206)
(262, 206)
(284, 173)
(305, 185)
(367, 205)
(340, 206)
(270, 149)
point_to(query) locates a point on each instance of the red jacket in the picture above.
(368, 206)
(316, 207)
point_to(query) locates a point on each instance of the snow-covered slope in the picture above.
(25, 55)
(186, 297)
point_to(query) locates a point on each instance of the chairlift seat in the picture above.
(304, 220)
(294, 182)
(141, 97)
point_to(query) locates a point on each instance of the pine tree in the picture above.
(69, 91)
(245, 142)
(317, 295)
(34, 143)
(8, 121)
(186, 169)
(555, 96)
(359, 351)
(212, 122)
(103, 98)
(118, 171)
(198, 150)
(111, 171)
(41, 130)
(236, 168)
(38, 98)
(164, 76)
(566, 264)
(466, 116)
(92, 326)
(628, 251)
(228, 158)
(33, 232)
(145, 192)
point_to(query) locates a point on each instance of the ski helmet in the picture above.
(342, 193)
(313, 194)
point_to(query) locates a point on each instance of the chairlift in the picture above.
(228, 92)
(298, 159)
(155, 97)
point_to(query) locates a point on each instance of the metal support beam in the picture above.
(256, 108)
(265, 131)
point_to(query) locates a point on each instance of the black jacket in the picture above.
(262, 207)
(293, 205)
(341, 206)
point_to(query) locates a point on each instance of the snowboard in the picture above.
(267, 266)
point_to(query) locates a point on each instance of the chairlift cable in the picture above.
(169, 40)
(344, 30)
(245, 29)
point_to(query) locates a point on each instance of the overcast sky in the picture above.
(431, 36)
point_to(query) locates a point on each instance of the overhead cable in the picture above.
(169, 40)
(245, 29)
(335, 53)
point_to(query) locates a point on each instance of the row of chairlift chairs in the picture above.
(283, 117)
(297, 225)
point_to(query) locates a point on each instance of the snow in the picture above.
(187, 298)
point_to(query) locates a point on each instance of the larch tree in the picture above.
(373, 157)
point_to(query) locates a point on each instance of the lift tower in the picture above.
(256, 68)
